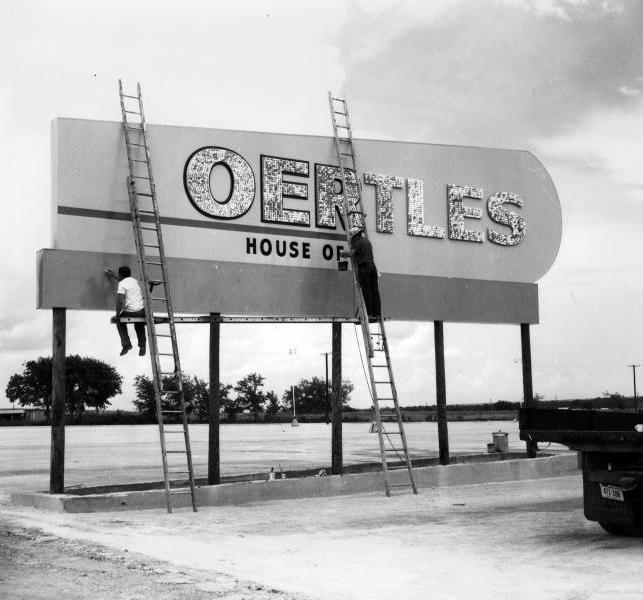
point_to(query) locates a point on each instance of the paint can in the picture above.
(501, 441)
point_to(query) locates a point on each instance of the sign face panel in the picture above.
(246, 204)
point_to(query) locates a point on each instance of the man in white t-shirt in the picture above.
(129, 303)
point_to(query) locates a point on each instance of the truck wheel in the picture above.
(619, 529)
(612, 528)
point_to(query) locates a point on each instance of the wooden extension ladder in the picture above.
(159, 315)
(382, 384)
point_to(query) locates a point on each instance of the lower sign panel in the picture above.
(75, 280)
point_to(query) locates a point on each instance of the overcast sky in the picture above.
(560, 78)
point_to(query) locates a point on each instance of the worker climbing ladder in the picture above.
(382, 385)
(159, 314)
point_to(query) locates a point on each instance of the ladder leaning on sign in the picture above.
(382, 385)
(164, 352)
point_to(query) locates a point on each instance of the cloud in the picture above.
(494, 74)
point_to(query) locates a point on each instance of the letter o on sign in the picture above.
(196, 178)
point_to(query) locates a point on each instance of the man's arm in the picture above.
(109, 273)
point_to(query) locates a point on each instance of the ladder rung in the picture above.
(176, 452)
(170, 391)
(127, 96)
(138, 160)
(150, 245)
(139, 176)
(172, 411)
(132, 112)
(400, 485)
(177, 472)
(342, 126)
(383, 381)
(152, 262)
(385, 399)
(147, 212)
(149, 228)
(158, 298)
(143, 194)
(178, 492)
(134, 128)
(165, 353)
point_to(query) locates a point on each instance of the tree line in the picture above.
(90, 383)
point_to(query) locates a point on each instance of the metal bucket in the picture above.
(501, 441)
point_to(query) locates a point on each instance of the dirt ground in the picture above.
(494, 541)
(34, 566)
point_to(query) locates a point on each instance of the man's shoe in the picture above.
(125, 350)
(141, 351)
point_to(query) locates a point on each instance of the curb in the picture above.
(307, 487)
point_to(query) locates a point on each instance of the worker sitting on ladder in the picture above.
(362, 250)
(129, 303)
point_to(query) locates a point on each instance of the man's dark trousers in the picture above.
(367, 276)
(139, 328)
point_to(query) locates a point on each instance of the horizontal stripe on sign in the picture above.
(256, 229)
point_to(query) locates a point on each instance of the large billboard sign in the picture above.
(250, 227)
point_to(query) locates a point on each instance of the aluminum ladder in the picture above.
(164, 352)
(382, 384)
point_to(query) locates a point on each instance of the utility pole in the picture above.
(636, 398)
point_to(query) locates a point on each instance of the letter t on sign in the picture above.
(383, 199)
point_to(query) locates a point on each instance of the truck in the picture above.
(610, 447)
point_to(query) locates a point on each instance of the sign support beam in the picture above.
(336, 419)
(441, 392)
(214, 469)
(527, 385)
(57, 463)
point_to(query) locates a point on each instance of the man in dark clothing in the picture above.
(362, 250)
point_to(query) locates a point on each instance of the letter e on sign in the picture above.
(196, 178)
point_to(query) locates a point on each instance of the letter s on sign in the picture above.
(196, 178)
(502, 216)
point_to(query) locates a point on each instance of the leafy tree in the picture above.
(144, 402)
(272, 406)
(250, 394)
(90, 383)
(311, 396)
(195, 394)
(32, 387)
(203, 399)
(231, 406)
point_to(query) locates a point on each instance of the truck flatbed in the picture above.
(610, 443)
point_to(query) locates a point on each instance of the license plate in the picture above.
(611, 492)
